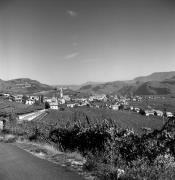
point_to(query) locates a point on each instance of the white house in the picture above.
(115, 107)
(159, 113)
(30, 102)
(71, 105)
(54, 103)
(149, 112)
(6, 94)
(169, 114)
(137, 110)
(18, 98)
(66, 97)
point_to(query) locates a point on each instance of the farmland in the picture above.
(106, 140)
(123, 119)
(7, 107)
(160, 103)
(106, 146)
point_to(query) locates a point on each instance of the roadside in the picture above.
(18, 164)
(72, 161)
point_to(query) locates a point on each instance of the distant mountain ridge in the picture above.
(154, 84)
(157, 76)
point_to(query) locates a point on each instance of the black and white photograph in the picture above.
(87, 89)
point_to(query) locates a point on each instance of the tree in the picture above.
(13, 120)
(155, 113)
(164, 113)
(121, 107)
(41, 98)
(37, 103)
(24, 99)
(142, 112)
(47, 105)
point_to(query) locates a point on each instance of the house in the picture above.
(137, 110)
(131, 108)
(159, 113)
(18, 98)
(61, 101)
(30, 102)
(101, 97)
(36, 98)
(115, 107)
(169, 114)
(54, 103)
(6, 94)
(149, 112)
(71, 105)
(66, 97)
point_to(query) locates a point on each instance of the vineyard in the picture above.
(7, 107)
(168, 103)
(111, 151)
(123, 119)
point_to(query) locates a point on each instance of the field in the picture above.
(123, 119)
(7, 107)
(167, 103)
(105, 139)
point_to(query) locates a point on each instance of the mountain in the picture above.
(23, 86)
(164, 87)
(92, 83)
(157, 76)
(155, 84)
(105, 88)
(72, 87)
(77, 87)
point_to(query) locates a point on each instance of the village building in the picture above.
(115, 107)
(18, 98)
(30, 102)
(169, 114)
(71, 105)
(158, 112)
(149, 112)
(54, 103)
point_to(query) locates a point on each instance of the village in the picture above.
(59, 101)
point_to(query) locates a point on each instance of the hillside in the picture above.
(23, 85)
(160, 83)
(77, 87)
(157, 76)
(106, 88)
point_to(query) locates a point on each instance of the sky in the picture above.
(75, 41)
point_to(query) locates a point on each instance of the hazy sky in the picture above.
(74, 41)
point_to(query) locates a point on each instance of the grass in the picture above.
(73, 160)
(9, 138)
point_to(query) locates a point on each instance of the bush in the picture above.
(142, 112)
(47, 105)
(111, 152)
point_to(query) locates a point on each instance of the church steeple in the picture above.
(61, 92)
